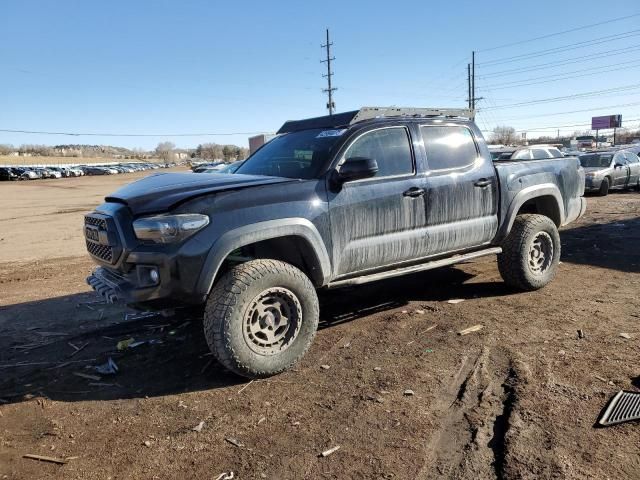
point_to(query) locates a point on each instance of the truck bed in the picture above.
(556, 176)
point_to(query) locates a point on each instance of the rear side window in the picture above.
(522, 155)
(539, 153)
(555, 153)
(389, 147)
(619, 158)
(448, 147)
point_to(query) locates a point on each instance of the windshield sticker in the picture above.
(331, 133)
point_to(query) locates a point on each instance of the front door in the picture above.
(462, 190)
(376, 222)
(633, 162)
(621, 172)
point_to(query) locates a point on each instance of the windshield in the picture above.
(598, 160)
(293, 155)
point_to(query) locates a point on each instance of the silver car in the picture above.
(530, 152)
(609, 170)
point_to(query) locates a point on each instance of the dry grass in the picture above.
(7, 160)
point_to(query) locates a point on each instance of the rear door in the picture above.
(379, 221)
(462, 190)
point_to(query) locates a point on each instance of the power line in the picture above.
(567, 97)
(537, 129)
(95, 134)
(571, 46)
(329, 90)
(566, 75)
(584, 27)
(623, 105)
(541, 66)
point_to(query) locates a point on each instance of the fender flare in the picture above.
(529, 193)
(256, 232)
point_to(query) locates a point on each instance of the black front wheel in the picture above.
(530, 253)
(261, 317)
(604, 188)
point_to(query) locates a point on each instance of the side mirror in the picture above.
(357, 168)
(618, 165)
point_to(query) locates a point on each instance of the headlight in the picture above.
(590, 174)
(169, 228)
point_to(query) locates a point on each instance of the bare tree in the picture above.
(165, 150)
(227, 153)
(209, 151)
(503, 135)
(6, 149)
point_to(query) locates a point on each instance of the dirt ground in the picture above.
(517, 399)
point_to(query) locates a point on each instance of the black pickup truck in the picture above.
(332, 201)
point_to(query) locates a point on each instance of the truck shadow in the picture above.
(51, 347)
(610, 245)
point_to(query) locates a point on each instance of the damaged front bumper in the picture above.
(115, 287)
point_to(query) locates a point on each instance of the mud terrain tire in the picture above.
(261, 317)
(530, 253)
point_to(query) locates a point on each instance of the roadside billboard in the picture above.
(607, 121)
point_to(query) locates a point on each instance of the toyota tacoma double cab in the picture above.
(333, 201)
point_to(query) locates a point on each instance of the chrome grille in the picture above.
(103, 252)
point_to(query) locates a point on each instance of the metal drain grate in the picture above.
(625, 406)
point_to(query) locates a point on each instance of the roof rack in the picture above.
(367, 113)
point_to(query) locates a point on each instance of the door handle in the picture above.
(483, 182)
(414, 192)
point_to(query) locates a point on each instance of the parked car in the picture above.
(7, 173)
(208, 166)
(26, 173)
(331, 202)
(530, 152)
(97, 171)
(231, 167)
(610, 170)
(47, 172)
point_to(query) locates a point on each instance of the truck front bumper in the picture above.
(150, 276)
(115, 287)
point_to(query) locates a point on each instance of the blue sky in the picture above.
(247, 66)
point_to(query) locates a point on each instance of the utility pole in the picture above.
(329, 90)
(473, 100)
(469, 85)
(473, 81)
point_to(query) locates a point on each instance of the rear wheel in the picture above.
(530, 253)
(261, 317)
(604, 187)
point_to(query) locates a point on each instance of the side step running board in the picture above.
(374, 277)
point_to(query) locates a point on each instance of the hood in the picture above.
(158, 193)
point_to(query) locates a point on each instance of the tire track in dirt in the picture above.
(474, 414)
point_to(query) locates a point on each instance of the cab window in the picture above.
(449, 147)
(389, 147)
